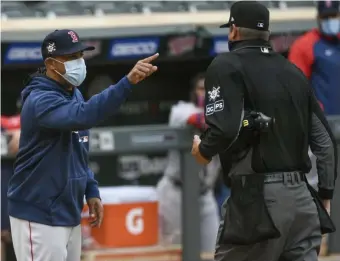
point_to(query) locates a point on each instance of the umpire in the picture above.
(262, 117)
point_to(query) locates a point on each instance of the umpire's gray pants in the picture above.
(295, 215)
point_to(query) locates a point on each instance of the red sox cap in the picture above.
(249, 14)
(328, 7)
(63, 42)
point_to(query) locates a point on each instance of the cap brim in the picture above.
(225, 25)
(86, 48)
(328, 12)
(76, 49)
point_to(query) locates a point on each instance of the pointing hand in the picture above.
(142, 69)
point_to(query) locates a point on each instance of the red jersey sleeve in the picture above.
(197, 120)
(10, 123)
(301, 52)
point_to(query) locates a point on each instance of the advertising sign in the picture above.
(281, 43)
(23, 53)
(133, 47)
(220, 45)
(30, 53)
(96, 52)
(180, 45)
(133, 167)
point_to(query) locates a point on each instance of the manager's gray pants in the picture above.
(295, 215)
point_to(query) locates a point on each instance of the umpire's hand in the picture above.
(142, 69)
(196, 152)
(96, 211)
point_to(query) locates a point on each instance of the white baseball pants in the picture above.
(170, 202)
(38, 242)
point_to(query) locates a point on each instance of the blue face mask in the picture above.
(330, 26)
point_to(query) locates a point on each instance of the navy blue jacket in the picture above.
(51, 173)
(6, 173)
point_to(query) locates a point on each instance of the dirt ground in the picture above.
(330, 258)
(156, 253)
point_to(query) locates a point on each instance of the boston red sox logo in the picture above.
(73, 36)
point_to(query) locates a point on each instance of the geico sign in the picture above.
(214, 107)
(221, 46)
(134, 222)
(24, 54)
(137, 48)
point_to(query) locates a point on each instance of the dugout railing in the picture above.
(128, 140)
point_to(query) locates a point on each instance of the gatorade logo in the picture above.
(134, 222)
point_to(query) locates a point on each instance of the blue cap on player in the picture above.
(328, 7)
(62, 42)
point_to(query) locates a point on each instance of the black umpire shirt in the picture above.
(252, 76)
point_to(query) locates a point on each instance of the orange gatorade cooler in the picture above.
(130, 217)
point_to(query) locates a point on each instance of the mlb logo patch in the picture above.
(260, 25)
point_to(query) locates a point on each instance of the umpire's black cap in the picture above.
(249, 14)
(328, 7)
(62, 42)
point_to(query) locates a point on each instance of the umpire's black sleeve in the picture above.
(324, 147)
(224, 107)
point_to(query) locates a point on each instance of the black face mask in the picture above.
(230, 45)
(230, 42)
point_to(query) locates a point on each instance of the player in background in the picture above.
(169, 187)
(317, 54)
(10, 129)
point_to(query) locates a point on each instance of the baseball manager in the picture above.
(51, 176)
(262, 118)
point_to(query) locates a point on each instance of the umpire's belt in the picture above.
(179, 184)
(283, 177)
(277, 177)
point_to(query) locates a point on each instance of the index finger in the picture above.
(100, 216)
(150, 58)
